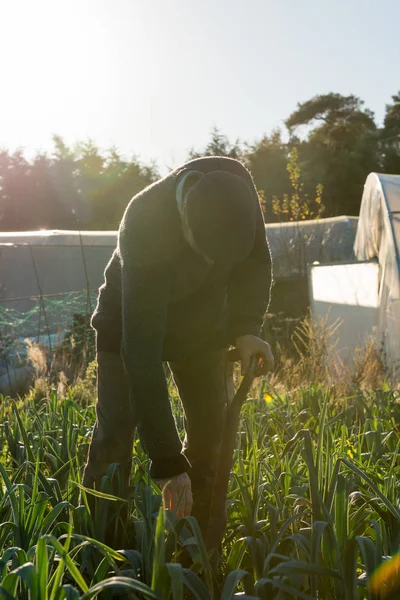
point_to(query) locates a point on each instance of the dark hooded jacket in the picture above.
(161, 301)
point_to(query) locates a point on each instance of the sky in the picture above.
(153, 77)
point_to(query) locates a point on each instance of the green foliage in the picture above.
(392, 117)
(313, 505)
(219, 145)
(338, 114)
(84, 388)
(78, 346)
(297, 206)
(75, 188)
(84, 187)
(390, 137)
(340, 150)
(267, 162)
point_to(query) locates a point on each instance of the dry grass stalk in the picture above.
(37, 357)
(316, 361)
(62, 384)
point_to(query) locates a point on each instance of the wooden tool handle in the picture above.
(255, 369)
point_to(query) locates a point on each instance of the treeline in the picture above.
(336, 141)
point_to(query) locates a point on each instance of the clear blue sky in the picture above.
(154, 76)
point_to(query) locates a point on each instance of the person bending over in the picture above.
(190, 276)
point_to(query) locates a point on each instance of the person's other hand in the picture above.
(177, 494)
(251, 345)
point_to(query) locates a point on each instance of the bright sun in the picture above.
(57, 59)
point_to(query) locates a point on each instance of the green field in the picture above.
(313, 505)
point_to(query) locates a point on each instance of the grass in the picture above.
(313, 502)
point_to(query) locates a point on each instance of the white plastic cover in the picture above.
(378, 236)
(346, 296)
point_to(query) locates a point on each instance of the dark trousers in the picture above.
(205, 385)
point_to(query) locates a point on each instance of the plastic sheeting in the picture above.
(51, 263)
(48, 276)
(55, 262)
(295, 245)
(378, 236)
(45, 275)
(46, 279)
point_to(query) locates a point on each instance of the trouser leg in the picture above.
(205, 385)
(113, 433)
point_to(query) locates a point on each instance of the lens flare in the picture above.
(386, 579)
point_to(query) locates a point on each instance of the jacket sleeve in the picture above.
(145, 297)
(249, 286)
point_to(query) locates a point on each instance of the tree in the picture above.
(340, 150)
(47, 208)
(64, 175)
(16, 192)
(267, 162)
(333, 142)
(341, 117)
(392, 117)
(80, 187)
(219, 145)
(118, 182)
(391, 136)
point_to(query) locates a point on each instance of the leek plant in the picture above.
(313, 506)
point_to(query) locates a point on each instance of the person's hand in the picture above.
(251, 345)
(177, 494)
